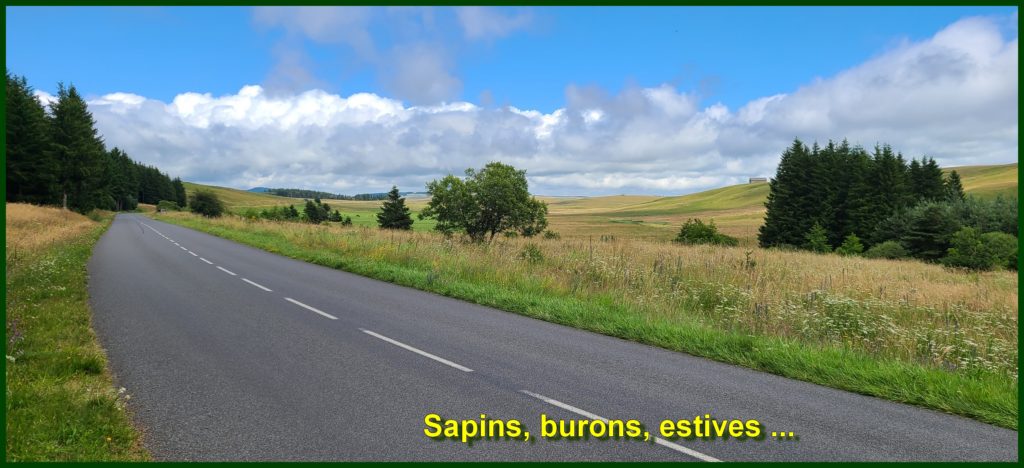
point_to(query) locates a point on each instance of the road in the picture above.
(233, 353)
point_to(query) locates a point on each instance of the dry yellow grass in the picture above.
(906, 310)
(32, 228)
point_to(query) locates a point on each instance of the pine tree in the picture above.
(932, 225)
(179, 192)
(885, 189)
(79, 149)
(954, 188)
(851, 172)
(31, 166)
(311, 212)
(393, 212)
(932, 186)
(916, 176)
(851, 246)
(784, 221)
(817, 239)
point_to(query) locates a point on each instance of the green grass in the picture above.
(61, 404)
(463, 272)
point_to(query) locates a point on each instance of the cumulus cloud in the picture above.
(952, 97)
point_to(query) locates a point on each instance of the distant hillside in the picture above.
(988, 181)
(311, 194)
(234, 198)
(737, 209)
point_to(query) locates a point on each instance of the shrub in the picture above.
(167, 205)
(694, 231)
(888, 249)
(531, 253)
(1002, 248)
(971, 249)
(205, 203)
(851, 246)
(817, 239)
(549, 234)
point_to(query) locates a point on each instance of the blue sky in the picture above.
(537, 59)
(732, 55)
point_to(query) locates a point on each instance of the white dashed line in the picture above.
(182, 248)
(192, 253)
(417, 350)
(225, 270)
(257, 285)
(205, 260)
(587, 414)
(314, 309)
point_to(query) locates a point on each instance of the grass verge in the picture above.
(61, 404)
(867, 345)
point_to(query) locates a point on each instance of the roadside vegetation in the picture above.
(61, 404)
(901, 330)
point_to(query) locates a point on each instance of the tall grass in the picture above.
(60, 402)
(902, 330)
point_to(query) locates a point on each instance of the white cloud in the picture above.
(490, 22)
(952, 97)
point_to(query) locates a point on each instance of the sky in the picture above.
(589, 101)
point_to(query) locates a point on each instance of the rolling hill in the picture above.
(738, 210)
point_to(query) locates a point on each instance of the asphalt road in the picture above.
(233, 353)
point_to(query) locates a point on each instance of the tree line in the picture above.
(488, 201)
(315, 194)
(57, 157)
(841, 198)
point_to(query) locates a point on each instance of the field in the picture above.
(900, 330)
(61, 403)
(989, 181)
(738, 210)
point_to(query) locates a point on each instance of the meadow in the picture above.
(61, 403)
(901, 330)
(737, 210)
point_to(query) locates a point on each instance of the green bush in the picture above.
(549, 234)
(851, 246)
(694, 231)
(167, 205)
(888, 249)
(1002, 247)
(971, 249)
(205, 203)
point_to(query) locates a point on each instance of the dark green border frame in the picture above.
(609, 3)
